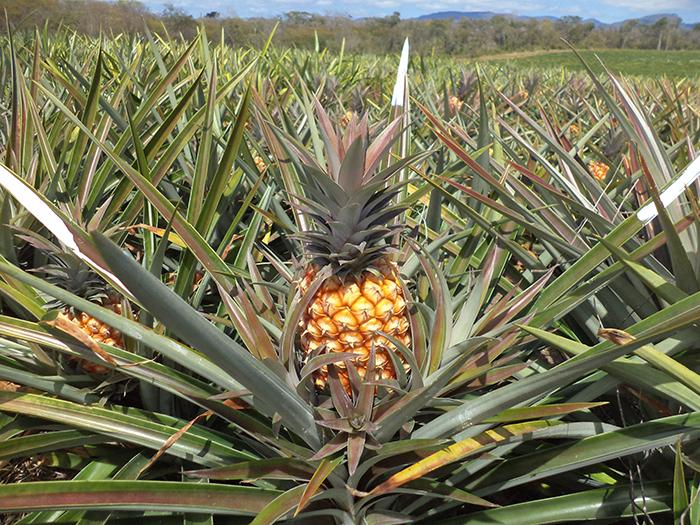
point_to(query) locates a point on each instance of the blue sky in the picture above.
(605, 10)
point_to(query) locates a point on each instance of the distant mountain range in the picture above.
(487, 15)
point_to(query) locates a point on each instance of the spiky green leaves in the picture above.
(351, 227)
(72, 274)
(351, 205)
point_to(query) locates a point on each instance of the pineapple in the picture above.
(70, 273)
(260, 163)
(455, 104)
(346, 118)
(598, 169)
(348, 313)
(363, 299)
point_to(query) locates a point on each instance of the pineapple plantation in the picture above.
(252, 286)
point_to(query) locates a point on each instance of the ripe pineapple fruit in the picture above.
(363, 299)
(347, 118)
(455, 104)
(598, 169)
(70, 273)
(348, 314)
(260, 163)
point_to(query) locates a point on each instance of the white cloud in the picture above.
(387, 4)
(653, 6)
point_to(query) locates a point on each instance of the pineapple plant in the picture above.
(362, 303)
(70, 273)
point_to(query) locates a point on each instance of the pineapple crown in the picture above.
(351, 228)
(66, 270)
(350, 202)
(70, 273)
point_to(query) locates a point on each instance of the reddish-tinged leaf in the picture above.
(381, 145)
(497, 375)
(330, 139)
(407, 406)
(169, 496)
(319, 361)
(339, 396)
(72, 329)
(506, 312)
(292, 321)
(277, 468)
(173, 439)
(324, 470)
(337, 443)
(356, 446)
(278, 507)
(236, 404)
(442, 324)
(341, 425)
(263, 343)
(431, 488)
(520, 414)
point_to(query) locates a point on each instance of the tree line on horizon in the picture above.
(467, 37)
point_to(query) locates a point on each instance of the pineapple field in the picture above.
(295, 286)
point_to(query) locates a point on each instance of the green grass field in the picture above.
(626, 61)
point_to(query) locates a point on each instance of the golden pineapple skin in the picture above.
(455, 104)
(346, 118)
(98, 331)
(599, 170)
(346, 315)
(260, 163)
